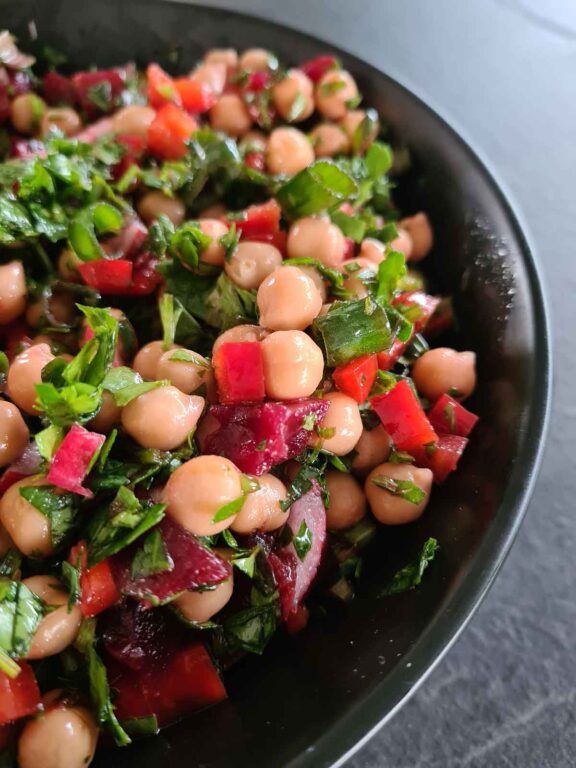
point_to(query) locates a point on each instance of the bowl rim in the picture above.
(355, 728)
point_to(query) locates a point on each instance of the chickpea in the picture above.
(227, 56)
(354, 277)
(288, 300)
(215, 252)
(262, 510)
(64, 119)
(288, 151)
(238, 334)
(372, 449)
(68, 264)
(293, 365)
(213, 212)
(373, 250)
(293, 96)
(61, 737)
(133, 120)
(230, 115)
(26, 113)
(344, 422)
(317, 279)
(251, 262)
(403, 243)
(443, 370)
(162, 418)
(334, 91)
(14, 434)
(420, 230)
(392, 509)
(186, 376)
(347, 503)
(146, 360)
(198, 489)
(24, 373)
(329, 139)
(255, 60)
(213, 75)
(13, 291)
(155, 203)
(29, 528)
(108, 416)
(201, 606)
(58, 629)
(352, 121)
(316, 237)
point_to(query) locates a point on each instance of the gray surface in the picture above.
(504, 74)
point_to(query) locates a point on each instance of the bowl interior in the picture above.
(310, 698)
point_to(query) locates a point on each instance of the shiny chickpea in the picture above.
(198, 489)
(329, 139)
(420, 231)
(29, 528)
(61, 737)
(372, 449)
(24, 373)
(334, 91)
(68, 264)
(293, 365)
(186, 375)
(352, 121)
(403, 243)
(13, 291)
(443, 370)
(214, 252)
(262, 510)
(318, 238)
(317, 279)
(288, 151)
(251, 263)
(288, 300)
(108, 416)
(373, 250)
(26, 113)
(227, 56)
(256, 60)
(133, 120)
(58, 629)
(356, 271)
(390, 508)
(14, 434)
(63, 119)
(153, 204)
(202, 606)
(347, 503)
(162, 418)
(293, 96)
(230, 115)
(146, 360)
(213, 75)
(238, 334)
(343, 422)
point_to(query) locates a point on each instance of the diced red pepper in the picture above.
(449, 417)
(19, 696)
(239, 371)
(257, 81)
(442, 457)
(263, 219)
(161, 87)
(169, 132)
(256, 161)
(195, 95)
(416, 306)
(442, 319)
(72, 459)
(108, 276)
(58, 90)
(357, 377)
(97, 588)
(317, 68)
(107, 83)
(403, 418)
(388, 359)
(277, 239)
(349, 248)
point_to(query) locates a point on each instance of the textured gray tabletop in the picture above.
(503, 72)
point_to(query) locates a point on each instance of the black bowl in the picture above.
(311, 700)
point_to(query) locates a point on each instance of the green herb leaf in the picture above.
(141, 726)
(365, 131)
(230, 241)
(229, 510)
(71, 577)
(48, 441)
(185, 356)
(378, 160)
(75, 403)
(297, 108)
(301, 484)
(411, 575)
(10, 564)
(319, 187)
(151, 558)
(59, 508)
(83, 231)
(4, 366)
(20, 613)
(125, 384)
(302, 541)
(252, 628)
(390, 271)
(404, 489)
(351, 226)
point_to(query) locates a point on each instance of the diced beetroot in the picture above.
(417, 306)
(317, 68)
(294, 576)
(258, 436)
(194, 565)
(263, 219)
(96, 131)
(108, 83)
(28, 464)
(239, 372)
(449, 417)
(442, 457)
(58, 90)
(72, 459)
(128, 241)
(19, 696)
(145, 278)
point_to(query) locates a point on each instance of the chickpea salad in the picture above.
(216, 380)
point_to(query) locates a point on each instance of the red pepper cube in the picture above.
(357, 377)
(416, 306)
(98, 590)
(195, 96)
(169, 132)
(443, 456)
(388, 359)
(317, 68)
(108, 276)
(449, 417)
(19, 696)
(161, 87)
(239, 371)
(403, 418)
(261, 219)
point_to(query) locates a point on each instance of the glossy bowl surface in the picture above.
(311, 700)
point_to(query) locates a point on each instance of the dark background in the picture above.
(503, 73)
